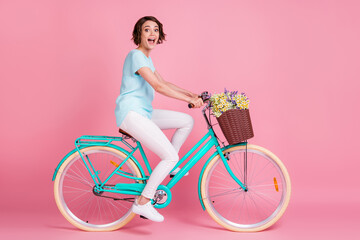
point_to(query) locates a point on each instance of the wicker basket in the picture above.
(236, 125)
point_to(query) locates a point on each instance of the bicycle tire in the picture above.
(76, 200)
(264, 202)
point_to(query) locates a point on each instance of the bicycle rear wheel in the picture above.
(77, 199)
(264, 201)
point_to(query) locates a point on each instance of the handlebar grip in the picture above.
(204, 96)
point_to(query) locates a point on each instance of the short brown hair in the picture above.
(137, 30)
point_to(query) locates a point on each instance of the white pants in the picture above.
(149, 133)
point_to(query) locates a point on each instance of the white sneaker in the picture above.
(147, 210)
(173, 173)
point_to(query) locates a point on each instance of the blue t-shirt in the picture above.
(136, 94)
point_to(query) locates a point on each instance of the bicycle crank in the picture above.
(162, 197)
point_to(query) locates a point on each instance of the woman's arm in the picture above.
(173, 86)
(161, 87)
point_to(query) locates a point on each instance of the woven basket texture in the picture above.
(236, 125)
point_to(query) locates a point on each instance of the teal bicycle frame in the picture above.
(202, 147)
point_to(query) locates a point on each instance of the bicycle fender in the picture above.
(110, 145)
(215, 154)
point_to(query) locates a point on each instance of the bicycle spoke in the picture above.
(79, 189)
(265, 185)
(221, 173)
(249, 209)
(80, 172)
(80, 180)
(77, 181)
(79, 177)
(257, 207)
(225, 193)
(220, 188)
(81, 205)
(100, 211)
(225, 177)
(254, 163)
(109, 207)
(76, 191)
(261, 170)
(233, 203)
(223, 200)
(238, 162)
(88, 211)
(222, 184)
(247, 212)
(242, 206)
(77, 197)
(263, 196)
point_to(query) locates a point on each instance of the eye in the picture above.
(146, 30)
(156, 30)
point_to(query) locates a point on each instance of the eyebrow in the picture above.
(149, 26)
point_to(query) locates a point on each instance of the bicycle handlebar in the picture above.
(204, 96)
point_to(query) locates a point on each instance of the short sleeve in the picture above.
(152, 65)
(138, 60)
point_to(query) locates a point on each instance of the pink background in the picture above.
(298, 61)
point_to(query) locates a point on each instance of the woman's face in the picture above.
(149, 35)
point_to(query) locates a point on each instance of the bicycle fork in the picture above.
(224, 159)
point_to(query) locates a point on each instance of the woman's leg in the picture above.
(151, 136)
(182, 122)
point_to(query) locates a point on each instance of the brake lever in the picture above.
(204, 96)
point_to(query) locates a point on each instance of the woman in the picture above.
(135, 115)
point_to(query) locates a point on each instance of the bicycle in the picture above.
(96, 183)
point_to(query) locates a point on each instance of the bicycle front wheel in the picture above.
(80, 203)
(267, 193)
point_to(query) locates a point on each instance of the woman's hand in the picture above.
(196, 102)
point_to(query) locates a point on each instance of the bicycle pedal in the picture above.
(141, 216)
(173, 175)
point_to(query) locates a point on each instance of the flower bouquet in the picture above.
(232, 112)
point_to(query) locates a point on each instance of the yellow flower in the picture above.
(222, 102)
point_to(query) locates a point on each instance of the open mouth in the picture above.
(151, 40)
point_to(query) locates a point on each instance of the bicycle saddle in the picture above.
(125, 133)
